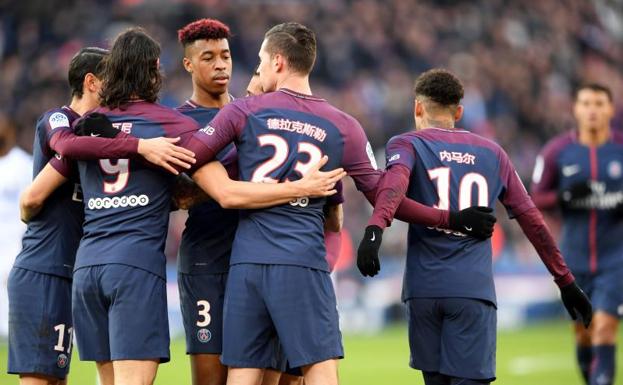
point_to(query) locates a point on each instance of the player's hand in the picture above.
(164, 153)
(318, 184)
(477, 222)
(575, 192)
(368, 252)
(577, 303)
(95, 124)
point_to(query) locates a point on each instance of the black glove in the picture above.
(577, 303)
(575, 192)
(473, 221)
(368, 252)
(95, 124)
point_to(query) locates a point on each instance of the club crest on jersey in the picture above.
(62, 360)
(614, 169)
(58, 119)
(204, 335)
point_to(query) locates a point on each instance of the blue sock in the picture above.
(584, 355)
(602, 368)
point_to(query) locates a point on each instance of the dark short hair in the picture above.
(208, 29)
(597, 87)
(295, 42)
(87, 60)
(439, 86)
(131, 69)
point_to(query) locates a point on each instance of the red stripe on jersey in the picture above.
(592, 221)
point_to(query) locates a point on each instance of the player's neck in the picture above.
(438, 123)
(296, 83)
(594, 138)
(81, 105)
(208, 100)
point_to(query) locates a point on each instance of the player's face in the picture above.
(210, 64)
(267, 71)
(255, 87)
(593, 110)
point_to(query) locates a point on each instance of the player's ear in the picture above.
(90, 82)
(419, 109)
(188, 65)
(278, 62)
(459, 113)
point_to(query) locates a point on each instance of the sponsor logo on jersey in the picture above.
(204, 335)
(116, 202)
(208, 130)
(62, 360)
(371, 156)
(58, 119)
(394, 157)
(570, 170)
(614, 169)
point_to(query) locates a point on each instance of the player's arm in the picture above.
(33, 198)
(94, 137)
(519, 205)
(334, 210)
(232, 194)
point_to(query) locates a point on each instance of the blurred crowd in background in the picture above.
(519, 61)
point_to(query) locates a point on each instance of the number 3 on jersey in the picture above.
(120, 170)
(442, 176)
(282, 150)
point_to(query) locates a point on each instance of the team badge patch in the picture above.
(614, 169)
(58, 119)
(204, 335)
(62, 361)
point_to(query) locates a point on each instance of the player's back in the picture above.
(453, 169)
(284, 134)
(209, 232)
(51, 239)
(127, 201)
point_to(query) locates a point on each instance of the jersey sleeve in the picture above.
(55, 122)
(222, 130)
(229, 159)
(399, 150)
(64, 165)
(514, 195)
(358, 159)
(544, 188)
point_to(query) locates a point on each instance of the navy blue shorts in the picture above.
(120, 313)
(40, 325)
(270, 304)
(453, 336)
(605, 289)
(201, 300)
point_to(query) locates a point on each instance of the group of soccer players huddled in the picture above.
(260, 177)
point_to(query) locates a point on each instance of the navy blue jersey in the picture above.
(279, 136)
(127, 201)
(209, 233)
(591, 232)
(51, 240)
(453, 170)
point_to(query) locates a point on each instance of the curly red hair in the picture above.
(203, 29)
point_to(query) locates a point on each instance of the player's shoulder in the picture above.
(406, 138)
(559, 142)
(57, 117)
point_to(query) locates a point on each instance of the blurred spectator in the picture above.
(16, 166)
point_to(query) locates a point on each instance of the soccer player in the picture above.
(448, 284)
(278, 285)
(39, 286)
(581, 172)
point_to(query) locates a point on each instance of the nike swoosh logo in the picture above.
(570, 170)
(95, 135)
(373, 237)
(468, 228)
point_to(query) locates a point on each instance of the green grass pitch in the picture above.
(541, 354)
